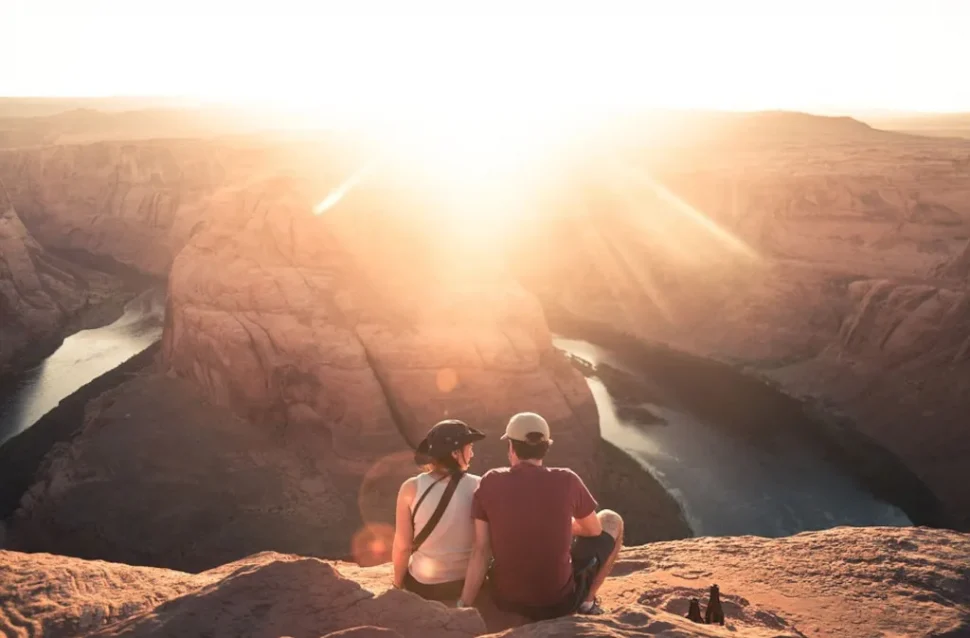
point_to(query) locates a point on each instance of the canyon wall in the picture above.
(134, 204)
(303, 358)
(39, 292)
(837, 270)
(137, 203)
(325, 346)
(365, 322)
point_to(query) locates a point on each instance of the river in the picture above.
(81, 358)
(725, 484)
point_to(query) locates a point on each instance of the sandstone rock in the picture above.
(338, 346)
(159, 476)
(295, 597)
(136, 204)
(39, 293)
(364, 632)
(839, 582)
(835, 305)
(25, 306)
(52, 596)
(634, 620)
(847, 582)
(67, 123)
(365, 324)
(266, 594)
(820, 584)
(958, 267)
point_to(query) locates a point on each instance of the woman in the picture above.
(433, 564)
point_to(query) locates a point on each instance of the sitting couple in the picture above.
(533, 530)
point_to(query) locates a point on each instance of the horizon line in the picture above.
(202, 101)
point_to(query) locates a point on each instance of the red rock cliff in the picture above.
(851, 292)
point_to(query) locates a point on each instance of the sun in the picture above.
(482, 161)
(475, 143)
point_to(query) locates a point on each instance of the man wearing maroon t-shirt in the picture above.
(551, 550)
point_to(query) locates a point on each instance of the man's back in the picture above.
(529, 509)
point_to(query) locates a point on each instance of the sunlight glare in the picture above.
(629, 178)
(338, 193)
(481, 162)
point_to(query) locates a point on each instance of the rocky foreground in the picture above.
(844, 582)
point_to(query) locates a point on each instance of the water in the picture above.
(82, 357)
(727, 486)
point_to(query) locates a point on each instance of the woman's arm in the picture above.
(403, 533)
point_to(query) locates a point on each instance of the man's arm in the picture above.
(585, 521)
(478, 564)
(588, 526)
(403, 532)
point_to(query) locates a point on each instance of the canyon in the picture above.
(44, 296)
(304, 355)
(307, 353)
(835, 272)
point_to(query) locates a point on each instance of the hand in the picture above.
(460, 604)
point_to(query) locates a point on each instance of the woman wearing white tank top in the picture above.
(433, 564)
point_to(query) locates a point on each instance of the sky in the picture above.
(811, 55)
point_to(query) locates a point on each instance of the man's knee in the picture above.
(612, 523)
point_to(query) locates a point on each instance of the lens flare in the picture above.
(345, 187)
(376, 500)
(371, 545)
(446, 379)
(629, 181)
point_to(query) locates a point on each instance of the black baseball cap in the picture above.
(444, 438)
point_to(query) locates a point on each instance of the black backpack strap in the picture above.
(438, 512)
(414, 512)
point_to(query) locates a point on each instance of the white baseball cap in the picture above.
(523, 424)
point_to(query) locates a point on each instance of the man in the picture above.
(552, 550)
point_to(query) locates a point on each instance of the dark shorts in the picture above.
(589, 555)
(586, 548)
(438, 591)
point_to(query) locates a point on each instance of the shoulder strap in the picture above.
(414, 512)
(438, 512)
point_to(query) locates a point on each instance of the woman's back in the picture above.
(444, 555)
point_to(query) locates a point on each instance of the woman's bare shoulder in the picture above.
(409, 488)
